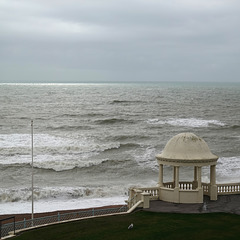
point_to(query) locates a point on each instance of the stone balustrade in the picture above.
(206, 187)
(153, 191)
(182, 185)
(168, 185)
(228, 188)
(134, 197)
(186, 185)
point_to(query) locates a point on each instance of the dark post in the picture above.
(0, 229)
(14, 225)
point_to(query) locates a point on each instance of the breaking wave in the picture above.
(112, 121)
(186, 122)
(20, 144)
(48, 193)
(69, 128)
(59, 163)
(125, 102)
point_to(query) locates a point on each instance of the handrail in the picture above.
(133, 200)
(5, 219)
(135, 206)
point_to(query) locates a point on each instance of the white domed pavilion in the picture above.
(183, 150)
(186, 149)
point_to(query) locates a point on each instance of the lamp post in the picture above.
(32, 170)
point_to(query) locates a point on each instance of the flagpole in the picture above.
(32, 168)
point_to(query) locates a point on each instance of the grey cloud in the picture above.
(119, 40)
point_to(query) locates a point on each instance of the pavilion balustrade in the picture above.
(206, 187)
(228, 188)
(182, 185)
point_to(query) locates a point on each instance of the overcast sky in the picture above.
(119, 40)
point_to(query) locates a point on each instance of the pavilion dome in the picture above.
(186, 147)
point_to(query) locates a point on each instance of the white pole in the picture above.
(32, 167)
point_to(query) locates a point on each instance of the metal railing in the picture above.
(5, 229)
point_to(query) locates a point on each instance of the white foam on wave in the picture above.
(60, 198)
(51, 152)
(186, 122)
(57, 205)
(58, 163)
(61, 193)
(54, 162)
(48, 142)
(24, 140)
(146, 158)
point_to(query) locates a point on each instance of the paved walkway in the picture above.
(228, 204)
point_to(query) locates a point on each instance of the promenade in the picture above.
(225, 203)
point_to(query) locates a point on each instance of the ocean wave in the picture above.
(79, 115)
(68, 128)
(125, 102)
(20, 144)
(24, 140)
(128, 138)
(233, 127)
(112, 121)
(146, 158)
(186, 122)
(68, 115)
(228, 168)
(57, 163)
(61, 204)
(64, 193)
(123, 146)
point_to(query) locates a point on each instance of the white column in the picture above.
(213, 175)
(177, 177)
(174, 177)
(160, 180)
(199, 177)
(176, 198)
(195, 183)
(213, 186)
(195, 173)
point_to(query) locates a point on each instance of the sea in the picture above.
(92, 142)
